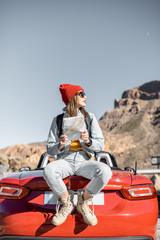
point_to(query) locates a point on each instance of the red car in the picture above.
(126, 208)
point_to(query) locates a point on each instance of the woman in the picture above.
(75, 158)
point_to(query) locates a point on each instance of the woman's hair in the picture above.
(72, 106)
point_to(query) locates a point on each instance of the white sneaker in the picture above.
(67, 208)
(83, 208)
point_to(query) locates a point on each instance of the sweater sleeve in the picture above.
(96, 136)
(53, 139)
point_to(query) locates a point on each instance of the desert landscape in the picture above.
(131, 131)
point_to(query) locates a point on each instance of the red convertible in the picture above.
(126, 208)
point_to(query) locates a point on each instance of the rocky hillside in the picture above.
(17, 156)
(132, 129)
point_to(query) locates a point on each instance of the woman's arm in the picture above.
(95, 142)
(54, 144)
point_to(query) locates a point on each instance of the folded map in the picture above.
(72, 126)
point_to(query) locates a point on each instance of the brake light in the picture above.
(140, 192)
(9, 191)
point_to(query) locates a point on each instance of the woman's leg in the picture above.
(54, 172)
(99, 173)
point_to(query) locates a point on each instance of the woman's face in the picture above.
(81, 98)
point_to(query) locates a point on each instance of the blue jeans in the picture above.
(77, 163)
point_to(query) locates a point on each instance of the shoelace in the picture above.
(63, 210)
(58, 205)
(86, 207)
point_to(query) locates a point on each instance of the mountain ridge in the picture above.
(132, 128)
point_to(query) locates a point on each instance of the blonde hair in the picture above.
(72, 106)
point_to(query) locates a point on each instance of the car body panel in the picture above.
(33, 219)
(118, 217)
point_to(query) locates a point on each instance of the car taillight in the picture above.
(140, 192)
(9, 191)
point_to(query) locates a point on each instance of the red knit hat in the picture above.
(68, 91)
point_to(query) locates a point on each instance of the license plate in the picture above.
(51, 198)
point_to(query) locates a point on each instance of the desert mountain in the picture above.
(22, 155)
(132, 128)
(131, 131)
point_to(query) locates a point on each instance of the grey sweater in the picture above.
(96, 137)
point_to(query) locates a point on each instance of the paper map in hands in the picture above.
(72, 127)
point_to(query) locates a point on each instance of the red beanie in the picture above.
(68, 91)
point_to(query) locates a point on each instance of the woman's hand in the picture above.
(84, 136)
(62, 141)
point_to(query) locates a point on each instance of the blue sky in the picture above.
(106, 46)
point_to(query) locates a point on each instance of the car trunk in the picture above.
(35, 181)
(42, 198)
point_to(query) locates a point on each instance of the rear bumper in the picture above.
(126, 220)
(37, 225)
(48, 238)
